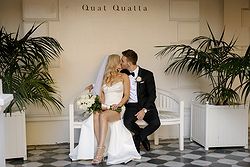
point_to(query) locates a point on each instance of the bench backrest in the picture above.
(167, 102)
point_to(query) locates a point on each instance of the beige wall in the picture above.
(211, 12)
(88, 36)
(11, 14)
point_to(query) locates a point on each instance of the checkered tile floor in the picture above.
(165, 154)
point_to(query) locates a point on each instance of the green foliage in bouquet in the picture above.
(96, 106)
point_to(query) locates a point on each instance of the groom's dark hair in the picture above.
(130, 55)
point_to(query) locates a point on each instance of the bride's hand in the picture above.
(114, 107)
(89, 87)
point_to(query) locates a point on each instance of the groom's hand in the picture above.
(140, 115)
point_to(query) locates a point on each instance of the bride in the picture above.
(113, 95)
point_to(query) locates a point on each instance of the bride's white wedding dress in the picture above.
(121, 148)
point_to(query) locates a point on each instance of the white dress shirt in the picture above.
(133, 86)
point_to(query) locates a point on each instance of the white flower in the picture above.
(138, 79)
(105, 106)
(82, 107)
(123, 108)
(78, 102)
(88, 103)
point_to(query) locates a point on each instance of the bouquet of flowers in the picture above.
(89, 103)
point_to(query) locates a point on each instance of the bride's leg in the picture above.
(96, 126)
(104, 118)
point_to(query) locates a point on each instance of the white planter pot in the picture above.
(15, 136)
(4, 102)
(2, 141)
(219, 126)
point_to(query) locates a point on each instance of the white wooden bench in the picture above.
(171, 112)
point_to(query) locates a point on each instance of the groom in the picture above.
(141, 104)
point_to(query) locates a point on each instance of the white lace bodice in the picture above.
(113, 94)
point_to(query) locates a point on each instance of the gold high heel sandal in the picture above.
(99, 156)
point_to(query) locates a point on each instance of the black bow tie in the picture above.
(132, 73)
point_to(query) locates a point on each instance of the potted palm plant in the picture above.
(214, 120)
(24, 71)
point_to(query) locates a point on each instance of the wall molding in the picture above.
(35, 10)
(44, 118)
(245, 17)
(184, 10)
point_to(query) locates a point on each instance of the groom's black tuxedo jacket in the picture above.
(146, 90)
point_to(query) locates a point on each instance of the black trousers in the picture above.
(151, 117)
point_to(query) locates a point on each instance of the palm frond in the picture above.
(215, 59)
(24, 71)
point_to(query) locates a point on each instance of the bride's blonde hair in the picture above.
(111, 69)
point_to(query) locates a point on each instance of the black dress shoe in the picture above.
(146, 144)
(137, 142)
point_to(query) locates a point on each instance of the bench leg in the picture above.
(156, 138)
(25, 157)
(72, 140)
(71, 128)
(181, 137)
(181, 130)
